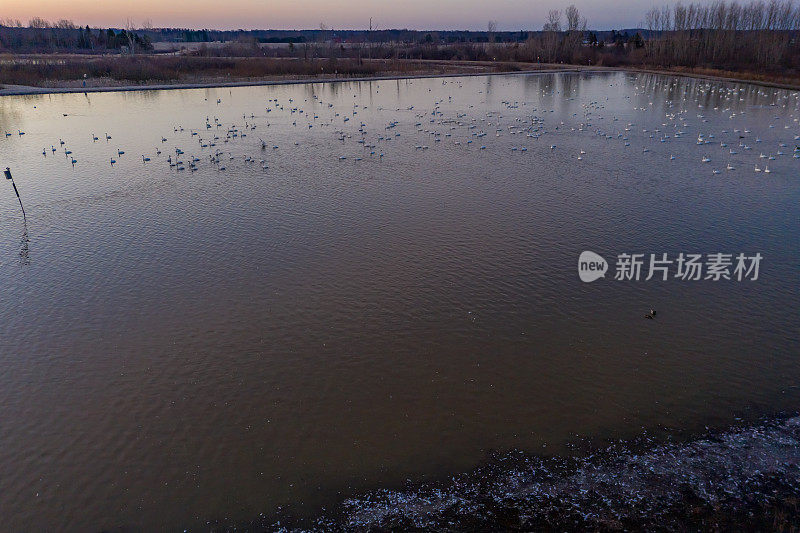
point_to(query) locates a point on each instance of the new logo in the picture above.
(591, 267)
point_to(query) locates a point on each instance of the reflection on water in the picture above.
(24, 255)
(187, 345)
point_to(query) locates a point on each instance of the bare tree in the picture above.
(574, 19)
(38, 22)
(725, 35)
(491, 28)
(552, 37)
(130, 28)
(553, 21)
(576, 28)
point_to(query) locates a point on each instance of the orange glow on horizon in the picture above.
(309, 14)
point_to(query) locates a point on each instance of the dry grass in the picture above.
(38, 70)
(69, 70)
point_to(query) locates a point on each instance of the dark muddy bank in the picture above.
(741, 479)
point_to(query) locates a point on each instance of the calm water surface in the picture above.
(183, 346)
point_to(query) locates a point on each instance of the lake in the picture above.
(238, 337)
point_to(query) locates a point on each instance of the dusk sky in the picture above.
(345, 14)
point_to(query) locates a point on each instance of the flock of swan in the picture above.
(444, 121)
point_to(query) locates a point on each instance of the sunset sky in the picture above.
(345, 14)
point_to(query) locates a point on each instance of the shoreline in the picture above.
(710, 77)
(26, 90)
(743, 477)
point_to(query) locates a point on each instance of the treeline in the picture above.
(563, 39)
(403, 36)
(38, 32)
(758, 35)
(43, 36)
(39, 29)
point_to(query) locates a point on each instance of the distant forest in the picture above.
(44, 36)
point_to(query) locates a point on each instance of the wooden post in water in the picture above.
(7, 172)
